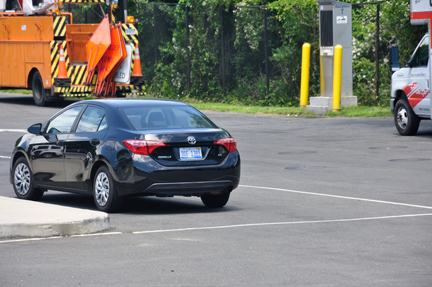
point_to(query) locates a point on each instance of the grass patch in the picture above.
(364, 112)
(16, 91)
(367, 112)
(293, 111)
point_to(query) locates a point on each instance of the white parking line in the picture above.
(30, 239)
(339, 196)
(97, 234)
(261, 224)
(225, 227)
(59, 237)
(2, 156)
(281, 223)
(13, 130)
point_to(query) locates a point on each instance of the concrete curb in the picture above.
(25, 218)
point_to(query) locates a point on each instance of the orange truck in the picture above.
(35, 45)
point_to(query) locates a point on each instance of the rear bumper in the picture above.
(150, 178)
(187, 188)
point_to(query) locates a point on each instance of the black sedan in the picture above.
(121, 147)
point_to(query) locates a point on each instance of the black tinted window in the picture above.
(63, 123)
(91, 120)
(166, 117)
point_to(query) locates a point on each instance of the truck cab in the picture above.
(410, 90)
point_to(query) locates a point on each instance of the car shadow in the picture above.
(424, 134)
(69, 200)
(171, 205)
(138, 205)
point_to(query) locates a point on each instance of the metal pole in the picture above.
(377, 56)
(222, 49)
(125, 8)
(187, 49)
(156, 45)
(266, 49)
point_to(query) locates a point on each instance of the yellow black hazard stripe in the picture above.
(59, 26)
(129, 88)
(76, 95)
(78, 74)
(62, 90)
(134, 94)
(54, 45)
(130, 34)
(84, 1)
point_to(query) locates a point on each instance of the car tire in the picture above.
(215, 200)
(407, 123)
(23, 181)
(104, 191)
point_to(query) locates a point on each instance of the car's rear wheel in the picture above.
(38, 90)
(406, 121)
(215, 200)
(104, 192)
(23, 181)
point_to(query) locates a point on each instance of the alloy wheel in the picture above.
(102, 189)
(22, 179)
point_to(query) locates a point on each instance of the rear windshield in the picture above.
(165, 117)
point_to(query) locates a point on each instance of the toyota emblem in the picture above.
(191, 140)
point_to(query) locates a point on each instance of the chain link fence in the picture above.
(252, 54)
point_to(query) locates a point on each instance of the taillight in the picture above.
(143, 147)
(229, 143)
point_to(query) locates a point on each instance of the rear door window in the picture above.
(92, 120)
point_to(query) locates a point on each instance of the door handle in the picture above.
(94, 141)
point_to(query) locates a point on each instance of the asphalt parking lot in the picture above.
(321, 202)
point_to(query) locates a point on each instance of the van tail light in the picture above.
(229, 143)
(143, 147)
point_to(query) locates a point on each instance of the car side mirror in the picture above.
(35, 129)
(394, 58)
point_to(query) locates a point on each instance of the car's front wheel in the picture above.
(215, 200)
(104, 192)
(23, 181)
(406, 121)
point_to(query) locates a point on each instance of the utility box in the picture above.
(335, 20)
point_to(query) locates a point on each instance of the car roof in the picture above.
(132, 102)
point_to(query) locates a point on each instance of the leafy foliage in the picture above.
(240, 60)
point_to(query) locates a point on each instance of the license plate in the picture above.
(130, 32)
(190, 153)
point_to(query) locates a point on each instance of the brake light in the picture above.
(229, 143)
(143, 147)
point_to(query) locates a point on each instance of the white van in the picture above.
(410, 91)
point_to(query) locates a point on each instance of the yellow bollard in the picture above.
(337, 78)
(304, 87)
(322, 83)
